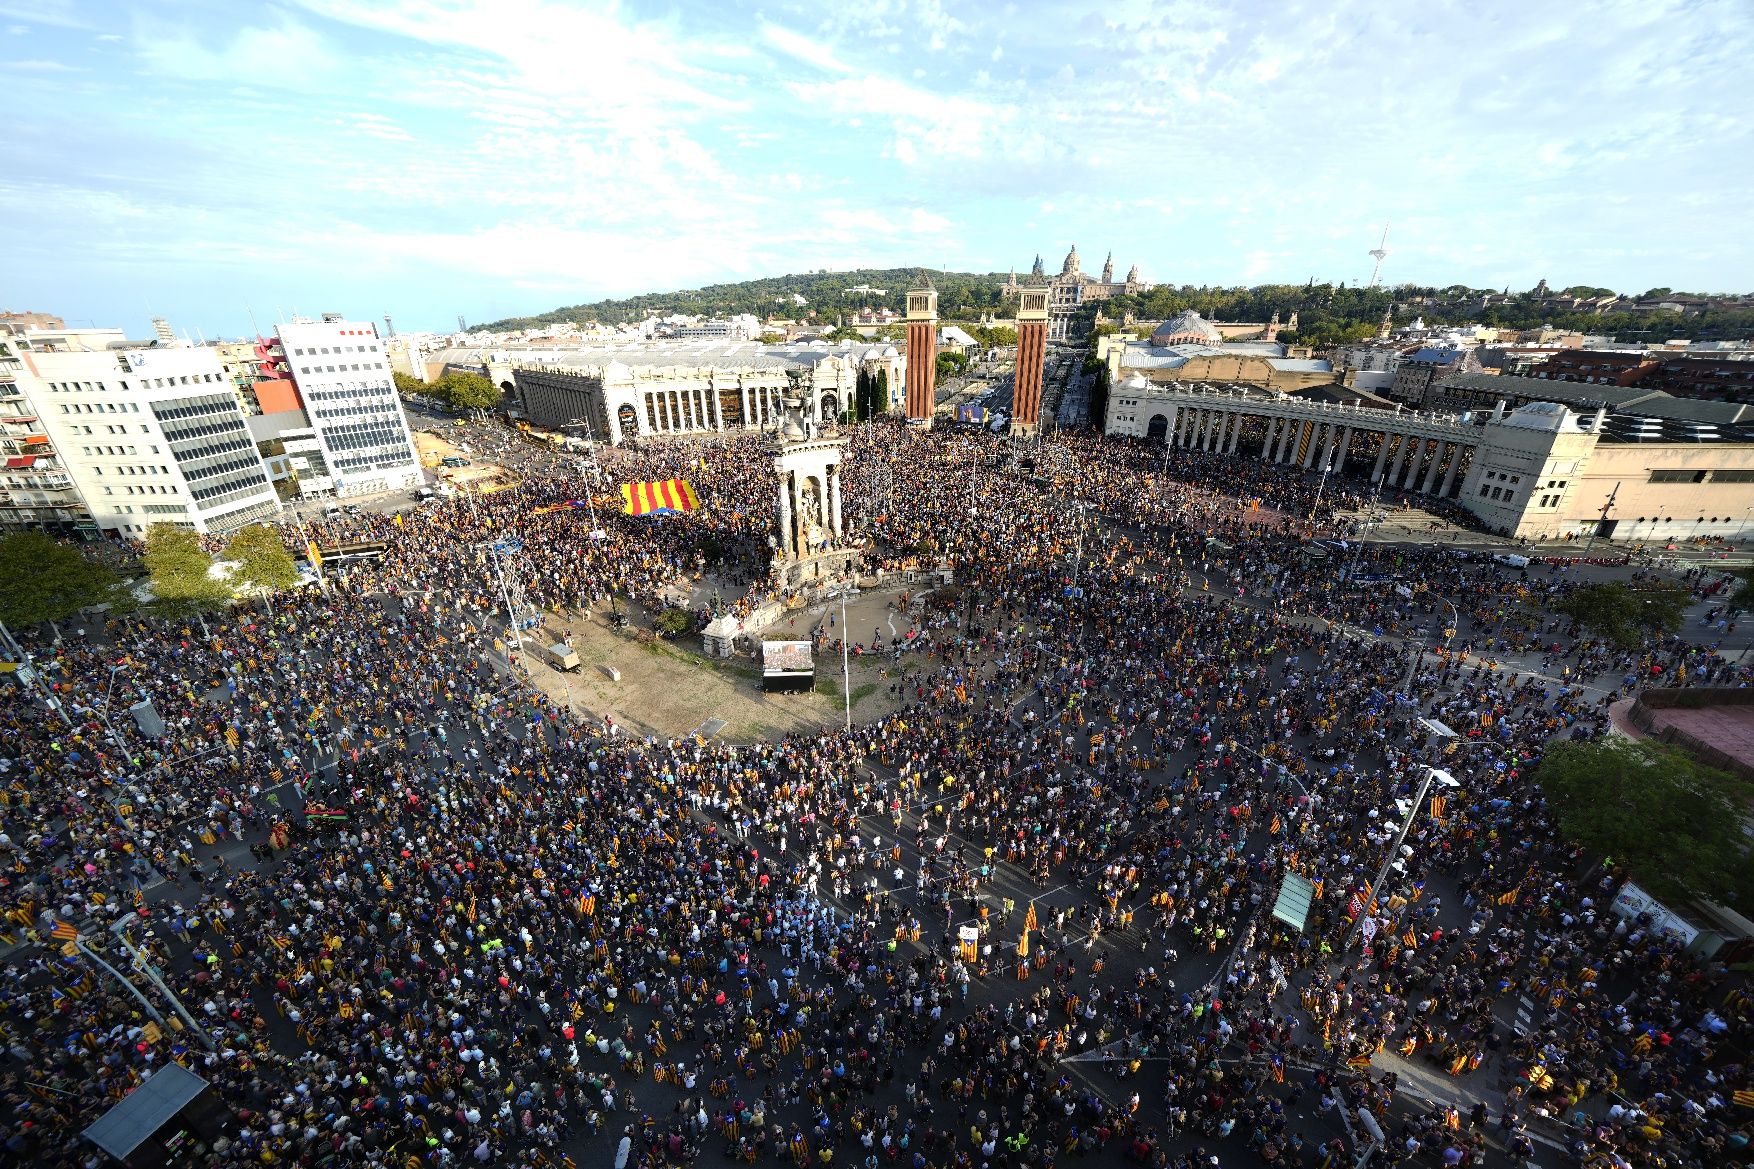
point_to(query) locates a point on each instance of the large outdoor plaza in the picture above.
(1138, 814)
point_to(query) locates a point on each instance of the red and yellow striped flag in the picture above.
(639, 499)
(66, 931)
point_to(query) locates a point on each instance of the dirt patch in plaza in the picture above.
(669, 689)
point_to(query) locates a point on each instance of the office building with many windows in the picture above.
(343, 379)
(145, 434)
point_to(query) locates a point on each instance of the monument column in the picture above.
(834, 500)
(1032, 349)
(1267, 442)
(1345, 448)
(922, 352)
(1382, 454)
(785, 507)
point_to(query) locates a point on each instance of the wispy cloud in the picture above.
(436, 155)
(802, 48)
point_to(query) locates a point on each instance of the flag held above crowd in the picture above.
(658, 496)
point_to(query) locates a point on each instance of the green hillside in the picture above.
(960, 295)
(1327, 313)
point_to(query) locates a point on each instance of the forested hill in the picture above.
(1327, 313)
(960, 295)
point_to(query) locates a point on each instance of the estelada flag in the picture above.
(657, 496)
(65, 930)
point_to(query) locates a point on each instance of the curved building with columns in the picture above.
(1539, 471)
(693, 387)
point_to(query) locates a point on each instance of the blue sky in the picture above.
(488, 157)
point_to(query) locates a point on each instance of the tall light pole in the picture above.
(846, 670)
(145, 966)
(32, 676)
(1369, 522)
(514, 635)
(1316, 505)
(104, 712)
(145, 1003)
(1438, 731)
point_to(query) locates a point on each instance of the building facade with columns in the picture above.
(689, 387)
(1540, 471)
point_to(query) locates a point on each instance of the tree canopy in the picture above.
(1327, 313)
(262, 559)
(1673, 823)
(462, 390)
(178, 568)
(1624, 616)
(42, 580)
(458, 390)
(951, 364)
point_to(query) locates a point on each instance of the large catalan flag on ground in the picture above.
(658, 496)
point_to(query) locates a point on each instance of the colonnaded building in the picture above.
(1544, 460)
(638, 389)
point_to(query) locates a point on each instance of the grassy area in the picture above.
(860, 693)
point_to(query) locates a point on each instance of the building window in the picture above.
(1677, 476)
(1732, 476)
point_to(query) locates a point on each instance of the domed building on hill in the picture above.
(1186, 328)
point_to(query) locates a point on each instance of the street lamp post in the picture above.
(514, 635)
(1419, 651)
(1369, 522)
(33, 677)
(1316, 506)
(104, 712)
(846, 671)
(1438, 731)
(145, 1003)
(144, 965)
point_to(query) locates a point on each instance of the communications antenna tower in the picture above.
(1377, 253)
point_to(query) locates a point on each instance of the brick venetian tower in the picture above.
(922, 352)
(1032, 345)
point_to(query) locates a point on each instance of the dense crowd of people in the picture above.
(473, 926)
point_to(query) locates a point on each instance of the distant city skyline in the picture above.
(426, 158)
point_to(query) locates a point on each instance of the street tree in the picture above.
(462, 390)
(408, 385)
(1673, 823)
(1622, 616)
(262, 560)
(42, 580)
(183, 583)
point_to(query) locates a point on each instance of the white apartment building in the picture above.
(147, 435)
(342, 373)
(35, 488)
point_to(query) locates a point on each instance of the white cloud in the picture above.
(803, 48)
(54, 13)
(41, 67)
(288, 55)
